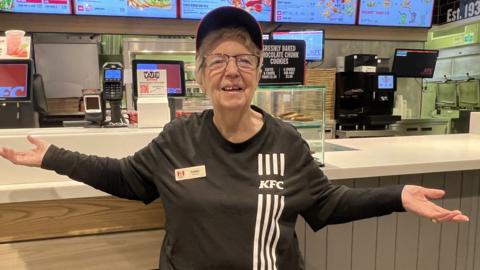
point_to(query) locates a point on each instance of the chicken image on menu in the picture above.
(150, 3)
(133, 8)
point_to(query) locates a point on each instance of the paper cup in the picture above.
(14, 40)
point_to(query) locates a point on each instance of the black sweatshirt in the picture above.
(228, 205)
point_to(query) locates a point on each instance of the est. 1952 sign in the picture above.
(466, 9)
(283, 62)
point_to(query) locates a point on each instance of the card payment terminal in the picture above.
(112, 81)
(113, 91)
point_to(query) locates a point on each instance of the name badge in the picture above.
(190, 173)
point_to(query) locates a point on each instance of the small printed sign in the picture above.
(152, 82)
(15, 48)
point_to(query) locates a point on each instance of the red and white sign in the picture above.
(20, 51)
(152, 83)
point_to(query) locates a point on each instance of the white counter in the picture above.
(403, 155)
(372, 157)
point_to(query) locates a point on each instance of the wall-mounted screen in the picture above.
(409, 13)
(15, 80)
(194, 9)
(315, 11)
(152, 77)
(36, 6)
(130, 8)
(414, 63)
(314, 41)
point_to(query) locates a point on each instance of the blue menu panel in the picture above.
(133, 8)
(36, 6)
(410, 13)
(314, 41)
(316, 11)
(194, 9)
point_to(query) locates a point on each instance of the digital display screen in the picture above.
(315, 11)
(129, 8)
(36, 6)
(314, 41)
(13, 81)
(386, 82)
(396, 13)
(149, 74)
(414, 63)
(113, 74)
(92, 103)
(194, 9)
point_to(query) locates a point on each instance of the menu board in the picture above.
(314, 41)
(133, 8)
(316, 11)
(412, 13)
(194, 9)
(36, 6)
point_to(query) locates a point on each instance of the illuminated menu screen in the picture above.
(13, 81)
(313, 40)
(133, 8)
(315, 11)
(194, 9)
(396, 13)
(36, 6)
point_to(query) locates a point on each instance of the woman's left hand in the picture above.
(416, 199)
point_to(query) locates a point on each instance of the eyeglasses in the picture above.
(245, 62)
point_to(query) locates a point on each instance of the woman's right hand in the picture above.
(32, 158)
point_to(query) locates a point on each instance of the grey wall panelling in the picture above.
(386, 233)
(429, 238)
(339, 242)
(402, 241)
(406, 248)
(364, 235)
(449, 232)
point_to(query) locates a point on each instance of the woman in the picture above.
(233, 180)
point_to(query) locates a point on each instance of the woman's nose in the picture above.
(231, 68)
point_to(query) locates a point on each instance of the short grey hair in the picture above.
(239, 34)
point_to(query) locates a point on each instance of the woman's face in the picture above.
(231, 87)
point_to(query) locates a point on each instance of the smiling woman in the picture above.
(233, 180)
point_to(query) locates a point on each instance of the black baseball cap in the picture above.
(229, 16)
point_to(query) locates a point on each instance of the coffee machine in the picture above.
(365, 99)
